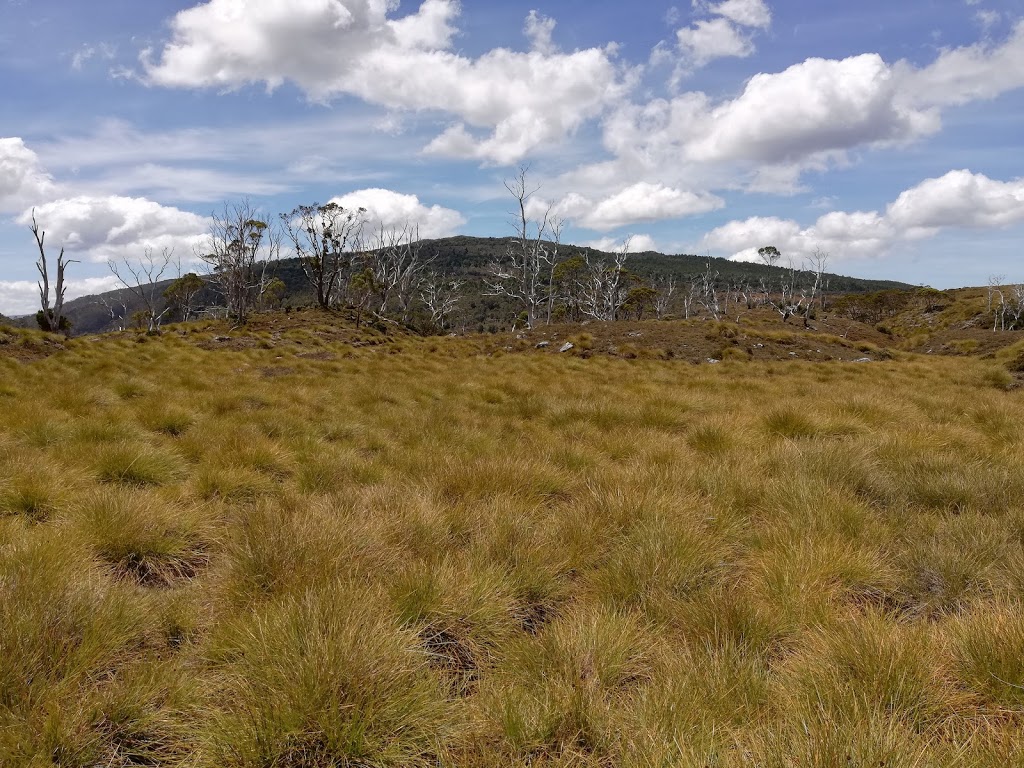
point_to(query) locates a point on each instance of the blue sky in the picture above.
(885, 134)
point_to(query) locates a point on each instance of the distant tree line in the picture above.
(392, 275)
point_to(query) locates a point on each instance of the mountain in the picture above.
(468, 258)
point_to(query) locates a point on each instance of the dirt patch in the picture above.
(159, 571)
(26, 346)
(451, 655)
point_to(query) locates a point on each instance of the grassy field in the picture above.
(320, 547)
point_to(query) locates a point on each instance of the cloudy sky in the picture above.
(887, 134)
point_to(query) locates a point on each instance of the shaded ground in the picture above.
(758, 336)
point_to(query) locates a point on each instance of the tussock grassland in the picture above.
(410, 554)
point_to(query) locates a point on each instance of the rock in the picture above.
(544, 344)
(713, 360)
(222, 338)
(566, 347)
(863, 360)
(634, 334)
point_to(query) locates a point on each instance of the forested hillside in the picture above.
(467, 260)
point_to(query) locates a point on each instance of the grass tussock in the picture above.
(406, 552)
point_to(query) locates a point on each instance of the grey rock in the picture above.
(566, 347)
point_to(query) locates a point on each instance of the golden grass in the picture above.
(410, 553)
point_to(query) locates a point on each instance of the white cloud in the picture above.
(807, 117)
(23, 180)
(962, 75)
(21, 297)
(710, 39)
(334, 47)
(395, 211)
(815, 106)
(633, 243)
(722, 35)
(538, 30)
(780, 125)
(101, 228)
(959, 199)
(638, 203)
(746, 13)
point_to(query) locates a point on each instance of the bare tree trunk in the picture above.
(52, 317)
(522, 275)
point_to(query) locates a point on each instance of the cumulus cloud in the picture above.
(633, 244)
(91, 228)
(713, 39)
(102, 228)
(814, 107)
(961, 75)
(637, 203)
(23, 180)
(959, 199)
(724, 34)
(395, 211)
(808, 117)
(21, 297)
(330, 48)
(811, 107)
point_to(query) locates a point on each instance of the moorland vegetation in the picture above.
(300, 542)
(706, 515)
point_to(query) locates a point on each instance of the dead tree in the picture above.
(816, 267)
(526, 275)
(398, 266)
(118, 312)
(994, 281)
(51, 317)
(1017, 309)
(1010, 309)
(440, 295)
(238, 250)
(689, 297)
(665, 285)
(603, 287)
(326, 239)
(784, 302)
(140, 278)
(708, 295)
